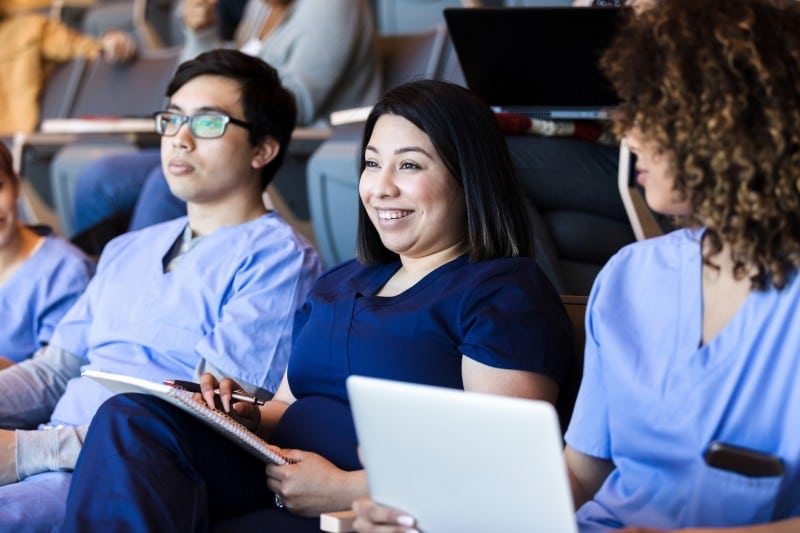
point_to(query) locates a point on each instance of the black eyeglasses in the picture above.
(202, 125)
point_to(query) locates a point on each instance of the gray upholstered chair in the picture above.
(133, 90)
(576, 211)
(576, 309)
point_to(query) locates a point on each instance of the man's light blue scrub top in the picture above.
(230, 301)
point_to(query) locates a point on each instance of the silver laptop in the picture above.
(462, 462)
(538, 61)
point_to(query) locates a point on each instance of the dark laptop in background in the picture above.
(537, 61)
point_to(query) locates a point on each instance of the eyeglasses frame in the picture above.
(186, 119)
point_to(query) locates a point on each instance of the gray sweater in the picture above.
(324, 51)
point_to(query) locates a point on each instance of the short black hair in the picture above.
(268, 106)
(466, 135)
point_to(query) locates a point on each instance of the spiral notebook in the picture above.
(214, 418)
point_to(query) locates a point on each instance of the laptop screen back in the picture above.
(462, 461)
(538, 61)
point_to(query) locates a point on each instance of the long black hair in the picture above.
(466, 135)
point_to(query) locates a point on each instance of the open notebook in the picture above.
(462, 461)
(215, 419)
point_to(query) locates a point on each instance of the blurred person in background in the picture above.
(325, 53)
(30, 46)
(41, 276)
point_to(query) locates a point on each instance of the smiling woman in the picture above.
(412, 200)
(446, 292)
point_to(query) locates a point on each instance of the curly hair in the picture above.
(716, 83)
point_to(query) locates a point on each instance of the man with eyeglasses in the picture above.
(214, 291)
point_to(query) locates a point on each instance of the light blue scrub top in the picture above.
(652, 400)
(38, 294)
(230, 300)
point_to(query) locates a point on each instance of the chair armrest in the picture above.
(21, 141)
(311, 134)
(59, 132)
(113, 125)
(348, 116)
(305, 141)
(105, 126)
(56, 132)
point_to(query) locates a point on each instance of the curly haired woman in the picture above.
(688, 412)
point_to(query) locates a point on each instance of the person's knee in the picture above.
(122, 407)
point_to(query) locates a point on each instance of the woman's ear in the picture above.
(265, 152)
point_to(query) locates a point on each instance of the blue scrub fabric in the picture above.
(35, 505)
(39, 294)
(653, 398)
(229, 301)
(503, 313)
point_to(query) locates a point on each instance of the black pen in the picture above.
(239, 396)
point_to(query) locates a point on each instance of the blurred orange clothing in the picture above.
(17, 6)
(32, 44)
